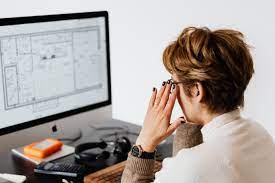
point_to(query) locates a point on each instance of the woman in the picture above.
(210, 71)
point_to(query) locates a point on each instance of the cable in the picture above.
(124, 130)
(79, 136)
(108, 128)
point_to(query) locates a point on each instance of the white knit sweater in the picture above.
(234, 150)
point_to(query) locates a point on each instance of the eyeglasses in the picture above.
(175, 82)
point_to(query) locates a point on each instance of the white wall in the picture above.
(140, 29)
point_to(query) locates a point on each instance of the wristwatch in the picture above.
(137, 151)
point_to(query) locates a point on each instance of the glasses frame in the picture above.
(175, 82)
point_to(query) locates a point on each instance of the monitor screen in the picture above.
(52, 67)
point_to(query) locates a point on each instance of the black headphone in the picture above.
(121, 147)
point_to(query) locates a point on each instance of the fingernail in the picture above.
(182, 118)
(154, 89)
(168, 82)
(173, 86)
(163, 83)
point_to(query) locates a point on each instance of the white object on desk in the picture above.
(13, 178)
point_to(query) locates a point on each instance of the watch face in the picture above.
(135, 151)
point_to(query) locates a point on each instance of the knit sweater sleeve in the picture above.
(138, 170)
(187, 135)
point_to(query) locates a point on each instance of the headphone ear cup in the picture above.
(122, 147)
(103, 155)
(102, 145)
(82, 157)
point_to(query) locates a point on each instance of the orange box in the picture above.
(43, 148)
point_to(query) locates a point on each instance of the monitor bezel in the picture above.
(58, 17)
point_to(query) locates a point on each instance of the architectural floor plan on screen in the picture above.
(43, 67)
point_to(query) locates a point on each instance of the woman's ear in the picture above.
(197, 92)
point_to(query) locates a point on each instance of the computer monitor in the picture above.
(52, 67)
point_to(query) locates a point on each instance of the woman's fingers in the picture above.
(174, 126)
(153, 97)
(171, 102)
(165, 95)
(160, 93)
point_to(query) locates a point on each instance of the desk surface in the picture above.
(15, 165)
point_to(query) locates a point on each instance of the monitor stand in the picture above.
(67, 135)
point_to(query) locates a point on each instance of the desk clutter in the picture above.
(42, 153)
(99, 167)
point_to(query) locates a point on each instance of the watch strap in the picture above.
(148, 155)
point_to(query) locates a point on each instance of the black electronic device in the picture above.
(63, 169)
(120, 148)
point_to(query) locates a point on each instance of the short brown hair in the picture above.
(220, 60)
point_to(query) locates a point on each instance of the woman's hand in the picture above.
(157, 125)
